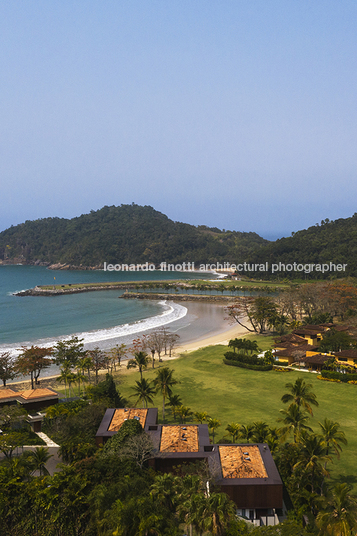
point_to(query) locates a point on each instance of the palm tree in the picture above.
(213, 424)
(246, 432)
(184, 412)
(140, 360)
(196, 509)
(233, 429)
(260, 432)
(164, 490)
(339, 517)
(201, 416)
(220, 510)
(85, 363)
(174, 403)
(333, 436)
(144, 392)
(164, 382)
(295, 420)
(39, 458)
(80, 378)
(300, 395)
(312, 457)
(64, 377)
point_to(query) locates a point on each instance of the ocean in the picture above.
(100, 318)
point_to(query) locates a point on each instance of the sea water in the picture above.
(94, 316)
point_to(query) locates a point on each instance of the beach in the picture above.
(204, 325)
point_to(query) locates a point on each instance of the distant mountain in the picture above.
(125, 234)
(331, 242)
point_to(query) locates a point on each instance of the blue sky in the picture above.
(235, 114)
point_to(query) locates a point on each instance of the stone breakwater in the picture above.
(39, 291)
(177, 297)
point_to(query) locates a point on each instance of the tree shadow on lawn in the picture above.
(348, 479)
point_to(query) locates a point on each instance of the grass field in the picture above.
(232, 394)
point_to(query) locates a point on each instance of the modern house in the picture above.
(245, 472)
(114, 418)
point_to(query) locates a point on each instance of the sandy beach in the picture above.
(221, 338)
(204, 325)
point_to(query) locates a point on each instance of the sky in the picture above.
(237, 114)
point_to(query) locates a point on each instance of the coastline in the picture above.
(220, 334)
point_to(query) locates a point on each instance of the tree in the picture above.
(233, 430)
(172, 340)
(118, 353)
(260, 312)
(11, 416)
(334, 341)
(66, 377)
(84, 363)
(246, 432)
(106, 393)
(312, 458)
(138, 448)
(332, 436)
(9, 442)
(140, 361)
(260, 432)
(98, 359)
(220, 510)
(300, 394)
(129, 428)
(201, 416)
(143, 392)
(7, 368)
(32, 361)
(164, 381)
(38, 459)
(279, 322)
(339, 516)
(69, 352)
(294, 420)
(174, 402)
(213, 424)
(184, 412)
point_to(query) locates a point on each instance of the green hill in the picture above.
(124, 234)
(332, 241)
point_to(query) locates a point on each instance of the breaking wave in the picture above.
(172, 311)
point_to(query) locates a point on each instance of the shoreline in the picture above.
(221, 335)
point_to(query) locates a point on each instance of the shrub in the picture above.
(129, 428)
(106, 393)
(332, 375)
(246, 365)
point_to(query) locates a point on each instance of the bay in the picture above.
(98, 315)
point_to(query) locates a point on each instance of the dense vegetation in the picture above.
(331, 241)
(124, 234)
(136, 234)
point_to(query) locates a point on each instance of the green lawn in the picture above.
(232, 394)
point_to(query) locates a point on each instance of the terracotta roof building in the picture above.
(31, 399)
(246, 473)
(114, 418)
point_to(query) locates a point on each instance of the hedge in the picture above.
(243, 358)
(332, 375)
(246, 366)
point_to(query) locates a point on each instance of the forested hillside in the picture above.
(124, 234)
(136, 234)
(331, 241)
